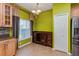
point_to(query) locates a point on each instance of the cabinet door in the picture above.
(2, 49)
(0, 14)
(15, 11)
(7, 15)
(49, 39)
(11, 47)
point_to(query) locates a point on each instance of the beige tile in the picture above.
(38, 50)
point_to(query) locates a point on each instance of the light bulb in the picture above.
(38, 11)
(33, 11)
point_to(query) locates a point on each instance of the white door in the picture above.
(61, 32)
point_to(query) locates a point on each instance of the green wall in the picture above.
(23, 15)
(59, 8)
(74, 4)
(24, 41)
(43, 21)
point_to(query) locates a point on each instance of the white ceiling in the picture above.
(32, 6)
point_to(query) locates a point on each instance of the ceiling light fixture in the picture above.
(33, 11)
(37, 10)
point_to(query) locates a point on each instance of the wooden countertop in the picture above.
(2, 39)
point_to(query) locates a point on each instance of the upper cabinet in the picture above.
(0, 15)
(5, 15)
(15, 10)
(8, 10)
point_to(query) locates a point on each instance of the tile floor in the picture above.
(38, 50)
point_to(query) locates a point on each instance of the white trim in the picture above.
(24, 44)
(53, 49)
(62, 51)
(69, 54)
(31, 38)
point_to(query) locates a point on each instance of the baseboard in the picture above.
(24, 44)
(62, 51)
(53, 49)
(69, 54)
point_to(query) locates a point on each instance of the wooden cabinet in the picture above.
(8, 47)
(44, 38)
(2, 52)
(1, 15)
(75, 10)
(15, 11)
(49, 39)
(11, 47)
(6, 15)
